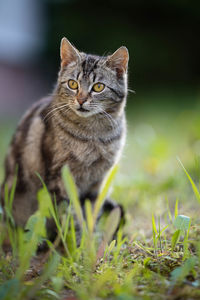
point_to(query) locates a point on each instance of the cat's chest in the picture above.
(88, 152)
(88, 160)
(85, 156)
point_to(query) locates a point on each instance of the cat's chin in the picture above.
(84, 113)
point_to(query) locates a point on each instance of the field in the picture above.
(156, 254)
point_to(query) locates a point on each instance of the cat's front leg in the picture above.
(107, 206)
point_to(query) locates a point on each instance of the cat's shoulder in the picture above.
(36, 109)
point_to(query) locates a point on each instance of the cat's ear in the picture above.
(68, 53)
(118, 61)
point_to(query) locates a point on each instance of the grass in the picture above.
(156, 255)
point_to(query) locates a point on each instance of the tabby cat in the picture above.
(82, 124)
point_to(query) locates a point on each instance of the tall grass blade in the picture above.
(155, 233)
(28, 249)
(89, 216)
(8, 207)
(185, 243)
(45, 204)
(154, 225)
(72, 193)
(65, 224)
(73, 233)
(176, 209)
(110, 228)
(175, 238)
(104, 192)
(12, 192)
(168, 210)
(195, 190)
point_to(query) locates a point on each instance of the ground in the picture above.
(156, 255)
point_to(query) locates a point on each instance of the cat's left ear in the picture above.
(68, 53)
(119, 60)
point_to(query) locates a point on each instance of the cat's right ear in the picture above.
(118, 61)
(68, 53)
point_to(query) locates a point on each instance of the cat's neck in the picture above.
(101, 125)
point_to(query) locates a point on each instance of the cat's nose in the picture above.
(81, 99)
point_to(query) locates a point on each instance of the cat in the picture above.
(82, 124)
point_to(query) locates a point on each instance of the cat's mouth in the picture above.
(82, 109)
(83, 112)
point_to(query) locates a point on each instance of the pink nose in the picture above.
(81, 98)
(81, 101)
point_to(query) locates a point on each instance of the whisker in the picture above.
(65, 105)
(109, 118)
(104, 114)
(57, 112)
(52, 106)
(131, 91)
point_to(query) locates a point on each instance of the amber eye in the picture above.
(73, 84)
(98, 87)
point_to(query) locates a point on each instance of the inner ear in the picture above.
(68, 53)
(118, 61)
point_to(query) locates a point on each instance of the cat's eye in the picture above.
(73, 84)
(98, 87)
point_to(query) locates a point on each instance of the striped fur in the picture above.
(55, 132)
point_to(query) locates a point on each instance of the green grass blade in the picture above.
(111, 246)
(12, 192)
(155, 233)
(175, 238)
(195, 190)
(168, 210)
(73, 234)
(66, 224)
(28, 249)
(89, 216)
(104, 192)
(176, 209)
(45, 203)
(72, 192)
(164, 229)
(154, 225)
(186, 244)
(110, 228)
(8, 211)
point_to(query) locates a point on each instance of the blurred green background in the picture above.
(164, 71)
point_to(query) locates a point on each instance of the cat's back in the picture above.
(25, 148)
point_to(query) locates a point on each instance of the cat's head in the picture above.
(92, 84)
